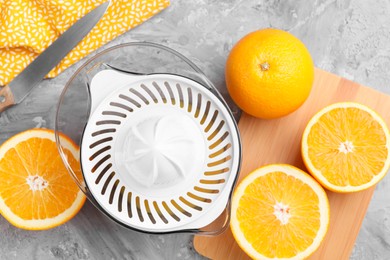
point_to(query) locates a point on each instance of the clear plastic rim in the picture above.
(210, 86)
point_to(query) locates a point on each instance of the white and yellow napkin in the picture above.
(27, 27)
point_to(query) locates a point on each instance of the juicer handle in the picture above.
(217, 219)
(219, 225)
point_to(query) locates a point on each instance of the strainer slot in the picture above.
(219, 181)
(113, 189)
(157, 87)
(220, 151)
(170, 212)
(122, 106)
(198, 105)
(138, 206)
(180, 209)
(189, 204)
(189, 93)
(150, 215)
(101, 141)
(120, 198)
(221, 161)
(149, 92)
(108, 122)
(216, 172)
(156, 207)
(199, 198)
(216, 131)
(204, 190)
(181, 99)
(142, 97)
(108, 180)
(103, 131)
(102, 173)
(205, 113)
(212, 121)
(219, 141)
(100, 162)
(129, 99)
(129, 210)
(99, 152)
(173, 100)
(114, 113)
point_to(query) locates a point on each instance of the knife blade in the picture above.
(14, 92)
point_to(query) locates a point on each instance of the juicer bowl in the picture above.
(75, 108)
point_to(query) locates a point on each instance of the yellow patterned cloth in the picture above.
(27, 27)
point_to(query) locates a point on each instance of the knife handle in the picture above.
(6, 98)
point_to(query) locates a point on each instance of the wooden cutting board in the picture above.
(278, 141)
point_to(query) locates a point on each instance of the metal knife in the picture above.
(32, 75)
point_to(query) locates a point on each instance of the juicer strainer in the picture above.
(160, 150)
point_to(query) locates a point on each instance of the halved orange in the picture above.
(36, 191)
(345, 146)
(279, 212)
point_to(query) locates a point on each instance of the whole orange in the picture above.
(269, 73)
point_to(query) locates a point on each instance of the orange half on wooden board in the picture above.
(279, 212)
(346, 147)
(36, 191)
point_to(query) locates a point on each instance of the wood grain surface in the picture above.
(6, 98)
(278, 141)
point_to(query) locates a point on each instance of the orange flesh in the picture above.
(361, 163)
(37, 157)
(263, 229)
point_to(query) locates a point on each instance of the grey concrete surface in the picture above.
(350, 38)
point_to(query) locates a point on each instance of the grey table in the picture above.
(350, 38)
